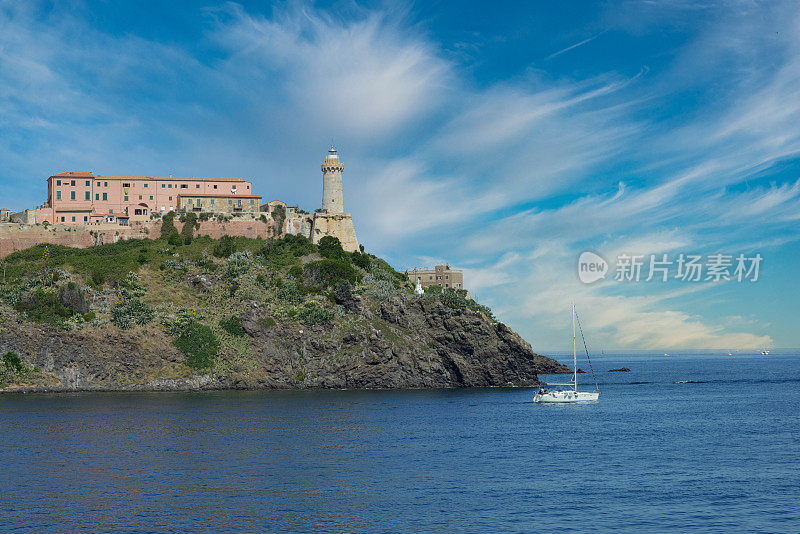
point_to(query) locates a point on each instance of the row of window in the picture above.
(88, 183)
(230, 201)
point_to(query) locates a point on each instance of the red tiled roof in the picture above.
(71, 174)
(198, 195)
(83, 174)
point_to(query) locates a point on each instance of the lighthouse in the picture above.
(332, 168)
(332, 220)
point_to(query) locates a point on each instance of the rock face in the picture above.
(403, 342)
(620, 370)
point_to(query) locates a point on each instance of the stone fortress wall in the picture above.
(16, 236)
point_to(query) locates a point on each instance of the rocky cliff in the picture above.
(265, 323)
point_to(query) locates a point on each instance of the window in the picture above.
(72, 195)
(73, 218)
(97, 196)
(62, 219)
(126, 185)
(145, 184)
(230, 202)
(189, 201)
(85, 218)
(88, 183)
(438, 277)
(240, 202)
(447, 277)
(98, 184)
(170, 199)
(72, 182)
(215, 186)
(140, 197)
(151, 197)
(110, 210)
(163, 186)
(58, 195)
(105, 184)
(197, 186)
(58, 182)
(105, 196)
(126, 198)
(88, 195)
(212, 201)
(170, 186)
(248, 187)
(252, 201)
(184, 186)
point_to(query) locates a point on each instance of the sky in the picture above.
(504, 140)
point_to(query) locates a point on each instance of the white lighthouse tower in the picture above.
(332, 169)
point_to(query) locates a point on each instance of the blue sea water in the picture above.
(693, 443)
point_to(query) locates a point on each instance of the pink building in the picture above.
(84, 198)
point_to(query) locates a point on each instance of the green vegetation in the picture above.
(168, 224)
(199, 343)
(331, 248)
(225, 247)
(326, 273)
(197, 288)
(13, 369)
(128, 312)
(456, 299)
(232, 325)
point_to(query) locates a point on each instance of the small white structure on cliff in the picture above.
(333, 220)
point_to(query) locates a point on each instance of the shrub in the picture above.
(43, 306)
(175, 240)
(168, 224)
(327, 272)
(282, 253)
(360, 260)
(224, 247)
(311, 314)
(291, 294)
(232, 325)
(131, 311)
(190, 223)
(13, 361)
(199, 344)
(330, 247)
(266, 322)
(379, 289)
(89, 316)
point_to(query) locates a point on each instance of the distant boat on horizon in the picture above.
(559, 396)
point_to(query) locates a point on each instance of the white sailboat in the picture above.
(545, 395)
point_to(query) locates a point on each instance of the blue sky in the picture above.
(505, 140)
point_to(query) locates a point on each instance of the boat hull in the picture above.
(566, 397)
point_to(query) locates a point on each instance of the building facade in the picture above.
(219, 203)
(441, 275)
(86, 198)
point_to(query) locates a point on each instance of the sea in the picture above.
(695, 442)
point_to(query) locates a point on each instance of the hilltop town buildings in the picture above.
(104, 203)
(86, 198)
(441, 275)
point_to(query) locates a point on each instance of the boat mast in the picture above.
(574, 353)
